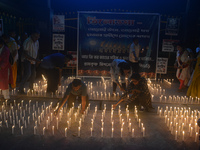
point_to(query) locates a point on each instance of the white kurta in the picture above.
(184, 73)
(115, 71)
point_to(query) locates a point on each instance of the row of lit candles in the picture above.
(13, 114)
(179, 122)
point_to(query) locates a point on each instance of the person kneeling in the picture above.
(139, 93)
(75, 88)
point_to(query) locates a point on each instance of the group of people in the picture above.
(135, 94)
(123, 74)
(187, 75)
(11, 51)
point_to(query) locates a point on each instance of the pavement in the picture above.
(33, 132)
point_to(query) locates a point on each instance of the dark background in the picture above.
(26, 15)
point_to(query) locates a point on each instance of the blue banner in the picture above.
(103, 37)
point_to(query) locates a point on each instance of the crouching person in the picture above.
(75, 88)
(139, 93)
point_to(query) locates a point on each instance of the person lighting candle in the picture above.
(139, 91)
(75, 88)
(119, 70)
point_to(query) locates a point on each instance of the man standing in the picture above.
(52, 69)
(134, 55)
(31, 47)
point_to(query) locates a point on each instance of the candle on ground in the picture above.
(65, 132)
(79, 131)
(43, 130)
(101, 132)
(112, 133)
(132, 132)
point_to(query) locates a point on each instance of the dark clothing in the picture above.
(29, 74)
(49, 64)
(72, 99)
(115, 86)
(82, 91)
(134, 66)
(142, 98)
(52, 77)
(53, 60)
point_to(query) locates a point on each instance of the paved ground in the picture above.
(157, 133)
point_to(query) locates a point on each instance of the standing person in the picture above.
(139, 91)
(194, 88)
(119, 69)
(134, 55)
(75, 88)
(20, 63)
(52, 69)
(5, 70)
(31, 47)
(182, 65)
(13, 47)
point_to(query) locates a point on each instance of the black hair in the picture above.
(123, 66)
(136, 76)
(76, 82)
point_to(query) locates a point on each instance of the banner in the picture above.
(58, 23)
(103, 37)
(162, 65)
(58, 42)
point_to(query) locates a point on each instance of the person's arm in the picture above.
(120, 100)
(83, 98)
(64, 100)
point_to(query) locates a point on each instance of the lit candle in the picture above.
(143, 131)
(121, 132)
(191, 131)
(35, 130)
(68, 124)
(196, 137)
(13, 127)
(141, 127)
(57, 122)
(21, 130)
(132, 132)
(101, 132)
(130, 127)
(112, 133)
(43, 130)
(65, 132)
(183, 135)
(79, 130)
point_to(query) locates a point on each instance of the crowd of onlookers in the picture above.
(17, 61)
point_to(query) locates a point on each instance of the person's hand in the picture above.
(82, 111)
(114, 106)
(55, 112)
